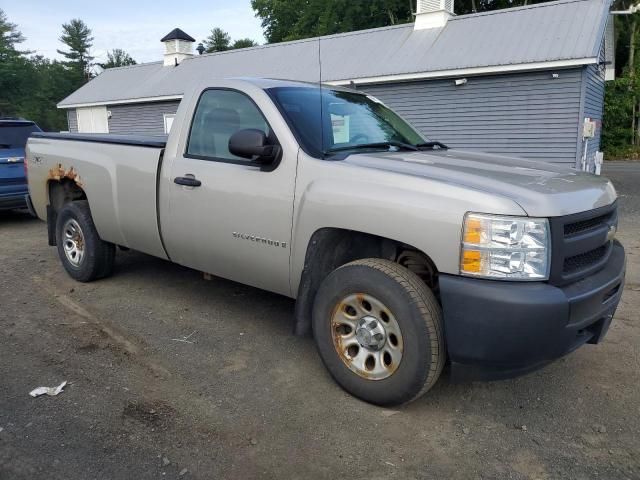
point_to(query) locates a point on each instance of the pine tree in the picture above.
(243, 43)
(77, 36)
(218, 41)
(117, 58)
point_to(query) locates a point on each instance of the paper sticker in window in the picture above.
(340, 127)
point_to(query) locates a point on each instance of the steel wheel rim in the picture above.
(366, 336)
(73, 242)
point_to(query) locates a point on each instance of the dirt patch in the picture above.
(156, 413)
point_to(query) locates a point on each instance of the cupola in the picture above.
(433, 13)
(177, 46)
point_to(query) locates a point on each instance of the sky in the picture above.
(135, 26)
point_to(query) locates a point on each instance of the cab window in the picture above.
(220, 114)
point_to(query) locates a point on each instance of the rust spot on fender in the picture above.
(59, 173)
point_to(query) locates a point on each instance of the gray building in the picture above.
(525, 81)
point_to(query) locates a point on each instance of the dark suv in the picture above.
(14, 133)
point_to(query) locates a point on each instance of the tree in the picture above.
(77, 36)
(14, 67)
(117, 58)
(218, 41)
(243, 43)
(9, 34)
(295, 19)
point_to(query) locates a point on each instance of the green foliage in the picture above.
(243, 43)
(617, 134)
(295, 19)
(620, 125)
(30, 87)
(76, 35)
(9, 34)
(218, 41)
(117, 58)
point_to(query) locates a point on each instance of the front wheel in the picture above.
(378, 329)
(84, 255)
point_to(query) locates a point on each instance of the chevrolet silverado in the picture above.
(402, 254)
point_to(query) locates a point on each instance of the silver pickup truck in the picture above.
(402, 254)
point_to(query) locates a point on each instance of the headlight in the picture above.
(506, 248)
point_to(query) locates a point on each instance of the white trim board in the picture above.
(122, 102)
(463, 72)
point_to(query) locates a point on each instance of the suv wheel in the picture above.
(378, 329)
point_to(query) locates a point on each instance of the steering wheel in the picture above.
(359, 136)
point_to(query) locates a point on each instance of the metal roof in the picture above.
(566, 32)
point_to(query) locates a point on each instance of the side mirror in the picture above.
(250, 143)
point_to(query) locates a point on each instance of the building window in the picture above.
(168, 122)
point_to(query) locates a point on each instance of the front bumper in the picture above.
(499, 329)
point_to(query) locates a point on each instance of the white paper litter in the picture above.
(52, 391)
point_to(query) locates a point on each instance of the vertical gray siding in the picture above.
(72, 120)
(530, 115)
(593, 106)
(140, 118)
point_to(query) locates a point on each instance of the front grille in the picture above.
(579, 244)
(584, 225)
(583, 260)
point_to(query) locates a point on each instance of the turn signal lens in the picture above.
(471, 261)
(502, 247)
(472, 230)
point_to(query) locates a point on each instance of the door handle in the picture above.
(187, 181)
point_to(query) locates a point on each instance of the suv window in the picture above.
(15, 134)
(220, 114)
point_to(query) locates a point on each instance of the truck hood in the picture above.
(541, 189)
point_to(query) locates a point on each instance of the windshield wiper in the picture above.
(432, 145)
(401, 145)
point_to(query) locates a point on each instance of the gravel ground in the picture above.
(171, 376)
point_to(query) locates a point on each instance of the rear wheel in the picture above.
(84, 255)
(378, 329)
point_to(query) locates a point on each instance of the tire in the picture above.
(76, 232)
(395, 370)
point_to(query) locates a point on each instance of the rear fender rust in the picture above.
(59, 173)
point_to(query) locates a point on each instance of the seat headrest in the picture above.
(222, 120)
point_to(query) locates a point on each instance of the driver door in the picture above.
(234, 220)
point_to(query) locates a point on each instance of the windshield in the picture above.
(15, 135)
(347, 121)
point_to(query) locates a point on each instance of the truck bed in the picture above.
(151, 141)
(119, 175)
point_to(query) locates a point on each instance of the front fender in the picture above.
(421, 213)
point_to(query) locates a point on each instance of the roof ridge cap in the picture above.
(303, 40)
(123, 67)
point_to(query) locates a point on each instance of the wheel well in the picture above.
(61, 192)
(330, 248)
